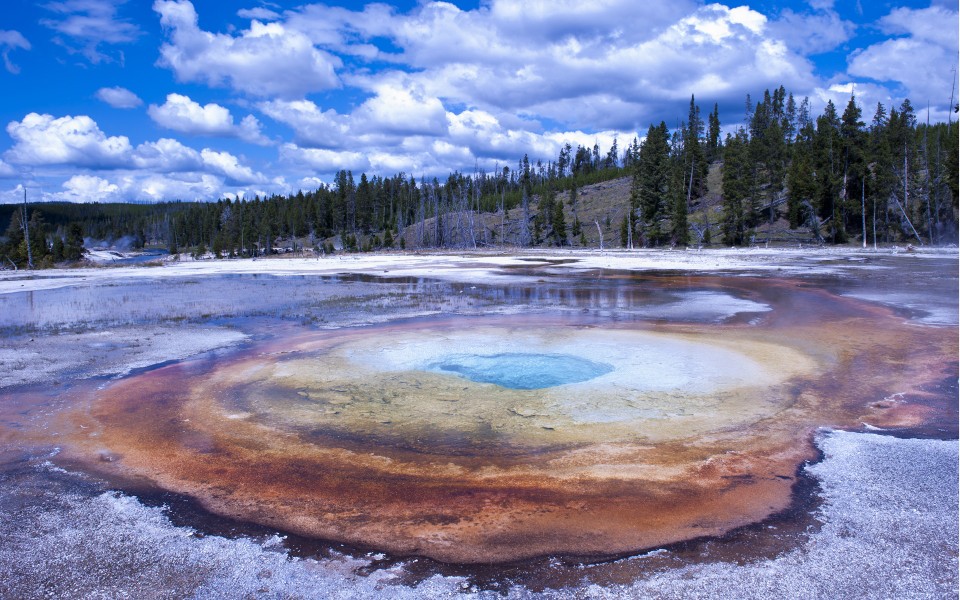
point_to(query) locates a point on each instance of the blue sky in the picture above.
(107, 100)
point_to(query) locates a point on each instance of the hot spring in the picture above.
(521, 371)
(499, 437)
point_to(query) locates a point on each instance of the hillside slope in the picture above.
(605, 205)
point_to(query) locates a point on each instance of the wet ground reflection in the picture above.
(318, 299)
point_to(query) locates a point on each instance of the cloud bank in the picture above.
(295, 94)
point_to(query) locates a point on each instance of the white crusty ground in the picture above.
(52, 356)
(484, 266)
(889, 530)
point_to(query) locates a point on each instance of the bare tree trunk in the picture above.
(458, 226)
(421, 215)
(910, 223)
(503, 211)
(475, 204)
(436, 217)
(863, 209)
(926, 165)
(525, 226)
(906, 176)
(600, 232)
(26, 229)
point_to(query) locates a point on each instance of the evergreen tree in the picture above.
(558, 223)
(365, 205)
(628, 233)
(713, 135)
(853, 186)
(14, 249)
(828, 166)
(56, 250)
(790, 120)
(654, 184)
(38, 238)
(694, 173)
(612, 160)
(801, 188)
(736, 190)
(908, 190)
(537, 230)
(768, 154)
(685, 155)
(73, 244)
(882, 173)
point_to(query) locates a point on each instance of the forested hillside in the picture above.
(838, 177)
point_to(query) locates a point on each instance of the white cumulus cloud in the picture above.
(119, 97)
(229, 166)
(265, 60)
(89, 188)
(919, 61)
(403, 109)
(190, 186)
(182, 114)
(167, 155)
(312, 127)
(322, 160)
(123, 172)
(584, 63)
(434, 87)
(46, 140)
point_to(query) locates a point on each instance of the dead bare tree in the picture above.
(600, 233)
(926, 183)
(26, 229)
(525, 224)
(814, 223)
(474, 202)
(460, 208)
(906, 218)
(863, 209)
(421, 214)
(440, 224)
(701, 233)
(904, 207)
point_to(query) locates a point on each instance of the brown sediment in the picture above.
(294, 435)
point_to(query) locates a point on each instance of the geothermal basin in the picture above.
(541, 412)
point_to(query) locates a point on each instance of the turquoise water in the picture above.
(520, 371)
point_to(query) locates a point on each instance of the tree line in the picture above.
(832, 175)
